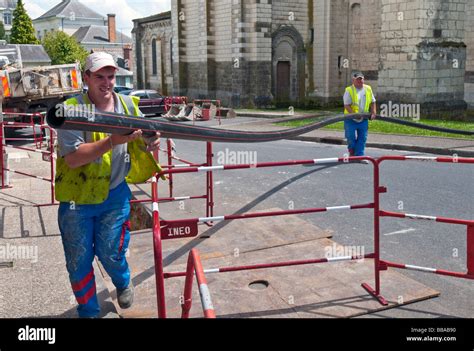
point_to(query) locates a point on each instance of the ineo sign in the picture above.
(179, 229)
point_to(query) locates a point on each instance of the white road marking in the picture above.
(401, 231)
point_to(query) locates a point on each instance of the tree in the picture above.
(63, 48)
(22, 27)
(2, 31)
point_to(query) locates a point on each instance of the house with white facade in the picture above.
(92, 31)
(6, 15)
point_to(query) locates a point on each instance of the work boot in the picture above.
(125, 296)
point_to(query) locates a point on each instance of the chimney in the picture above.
(127, 56)
(111, 27)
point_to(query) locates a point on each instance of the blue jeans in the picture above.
(90, 230)
(356, 135)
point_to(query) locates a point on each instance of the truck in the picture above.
(36, 89)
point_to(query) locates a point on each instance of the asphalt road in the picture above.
(413, 187)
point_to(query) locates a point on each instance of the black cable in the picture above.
(122, 124)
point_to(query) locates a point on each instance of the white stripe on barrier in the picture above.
(325, 160)
(29, 139)
(155, 207)
(415, 216)
(417, 268)
(38, 151)
(337, 208)
(181, 198)
(211, 168)
(211, 271)
(32, 176)
(205, 297)
(342, 258)
(421, 158)
(211, 219)
(153, 180)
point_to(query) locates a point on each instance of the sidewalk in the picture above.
(33, 273)
(423, 144)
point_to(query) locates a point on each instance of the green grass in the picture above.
(390, 128)
(286, 110)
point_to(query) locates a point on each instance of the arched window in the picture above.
(153, 58)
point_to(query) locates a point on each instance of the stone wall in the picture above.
(469, 40)
(224, 49)
(411, 51)
(144, 33)
(423, 54)
(364, 41)
(294, 13)
(322, 30)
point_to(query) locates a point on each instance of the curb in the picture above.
(415, 148)
(276, 118)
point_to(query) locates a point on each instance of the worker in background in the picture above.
(358, 98)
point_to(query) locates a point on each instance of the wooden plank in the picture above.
(328, 290)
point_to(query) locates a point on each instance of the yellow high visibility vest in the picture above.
(355, 99)
(90, 183)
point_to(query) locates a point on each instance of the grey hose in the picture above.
(122, 124)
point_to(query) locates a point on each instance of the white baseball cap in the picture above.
(99, 60)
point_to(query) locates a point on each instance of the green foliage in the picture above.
(22, 27)
(63, 48)
(2, 31)
(389, 128)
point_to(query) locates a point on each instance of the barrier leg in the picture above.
(377, 190)
(188, 288)
(1, 154)
(170, 163)
(158, 253)
(470, 250)
(209, 183)
(51, 150)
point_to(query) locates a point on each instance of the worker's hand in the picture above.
(373, 116)
(153, 143)
(123, 139)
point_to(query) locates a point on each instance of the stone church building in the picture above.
(252, 52)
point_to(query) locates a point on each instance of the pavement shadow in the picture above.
(184, 250)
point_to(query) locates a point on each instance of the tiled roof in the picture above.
(98, 34)
(68, 7)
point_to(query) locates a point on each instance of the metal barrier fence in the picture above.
(171, 229)
(209, 196)
(38, 140)
(383, 264)
(195, 266)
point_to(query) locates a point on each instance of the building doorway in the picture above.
(288, 65)
(283, 81)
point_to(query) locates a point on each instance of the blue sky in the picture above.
(125, 10)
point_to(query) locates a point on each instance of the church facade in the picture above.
(256, 52)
